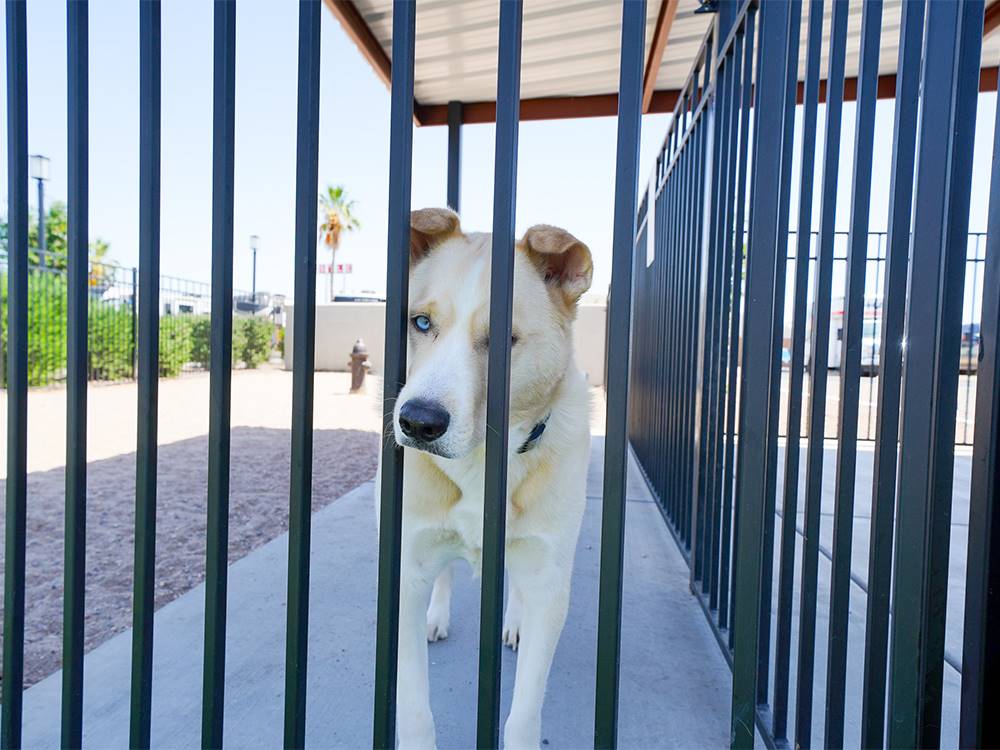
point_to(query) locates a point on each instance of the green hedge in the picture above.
(183, 338)
(251, 340)
(110, 341)
(46, 326)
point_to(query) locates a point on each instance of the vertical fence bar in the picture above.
(748, 187)
(303, 362)
(938, 248)
(220, 355)
(786, 576)
(147, 372)
(791, 75)
(498, 372)
(692, 258)
(616, 440)
(665, 275)
(850, 374)
(699, 144)
(454, 155)
(981, 647)
(720, 557)
(729, 473)
(764, 245)
(818, 359)
(704, 345)
(396, 322)
(723, 99)
(76, 374)
(17, 374)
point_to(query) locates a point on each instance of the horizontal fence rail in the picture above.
(758, 340)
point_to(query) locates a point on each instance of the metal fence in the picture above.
(706, 433)
(718, 493)
(874, 301)
(148, 334)
(184, 320)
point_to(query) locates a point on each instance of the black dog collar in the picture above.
(533, 436)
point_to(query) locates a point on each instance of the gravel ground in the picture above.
(345, 455)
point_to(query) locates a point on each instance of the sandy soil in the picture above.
(345, 455)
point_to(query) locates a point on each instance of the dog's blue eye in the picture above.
(422, 323)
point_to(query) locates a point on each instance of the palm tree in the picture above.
(337, 217)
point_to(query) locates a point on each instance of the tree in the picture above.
(56, 233)
(338, 216)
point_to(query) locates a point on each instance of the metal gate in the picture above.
(402, 111)
(705, 430)
(705, 435)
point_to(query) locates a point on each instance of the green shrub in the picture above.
(201, 340)
(255, 340)
(110, 340)
(46, 326)
(251, 340)
(175, 344)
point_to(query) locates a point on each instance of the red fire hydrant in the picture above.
(359, 365)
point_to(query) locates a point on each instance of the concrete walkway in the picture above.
(675, 684)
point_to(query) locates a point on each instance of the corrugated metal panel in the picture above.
(570, 47)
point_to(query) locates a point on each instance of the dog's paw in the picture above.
(512, 631)
(437, 623)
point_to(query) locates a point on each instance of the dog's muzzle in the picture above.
(423, 421)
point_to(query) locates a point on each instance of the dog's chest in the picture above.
(465, 518)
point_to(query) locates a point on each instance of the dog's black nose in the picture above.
(423, 420)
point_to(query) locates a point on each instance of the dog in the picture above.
(439, 418)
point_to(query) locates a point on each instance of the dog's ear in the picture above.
(562, 259)
(430, 227)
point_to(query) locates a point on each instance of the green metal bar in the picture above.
(980, 646)
(764, 244)
(147, 371)
(850, 375)
(619, 325)
(936, 287)
(498, 373)
(217, 542)
(76, 377)
(303, 360)
(17, 374)
(396, 324)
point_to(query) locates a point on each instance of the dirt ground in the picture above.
(345, 455)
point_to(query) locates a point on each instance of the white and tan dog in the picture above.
(440, 419)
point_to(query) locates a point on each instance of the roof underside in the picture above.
(570, 49)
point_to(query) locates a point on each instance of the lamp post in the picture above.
(254, 244)
(40, 172)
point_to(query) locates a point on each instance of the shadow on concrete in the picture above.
(675, 686)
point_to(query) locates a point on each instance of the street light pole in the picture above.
(40, 172)
(254, 243)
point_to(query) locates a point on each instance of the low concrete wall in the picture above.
(340, 324)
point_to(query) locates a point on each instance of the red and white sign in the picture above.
(329, 268)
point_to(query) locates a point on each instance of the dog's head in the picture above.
(442, 408)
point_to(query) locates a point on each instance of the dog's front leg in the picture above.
(439, 612)
(544, 598)
(414, 722)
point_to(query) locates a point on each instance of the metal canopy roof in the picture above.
(570, 53)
